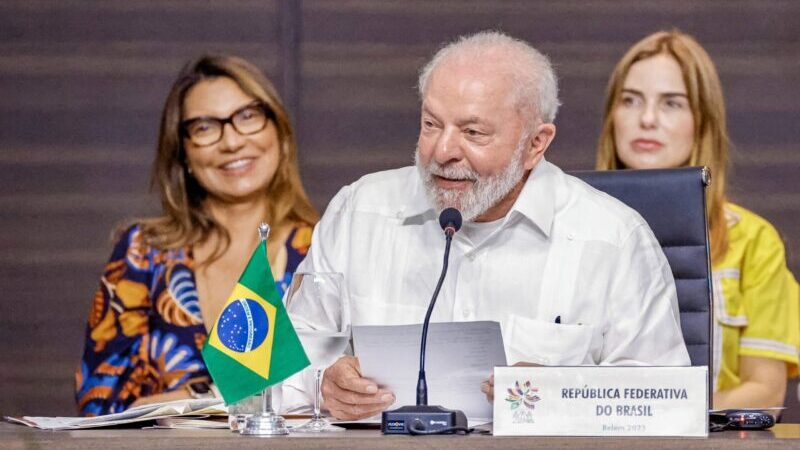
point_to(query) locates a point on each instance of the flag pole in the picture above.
(268, 423)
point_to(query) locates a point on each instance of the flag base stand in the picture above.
(267, 423)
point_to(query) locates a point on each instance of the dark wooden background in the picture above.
(82, 83)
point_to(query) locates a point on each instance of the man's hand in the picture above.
(487, 387)
(349, 396)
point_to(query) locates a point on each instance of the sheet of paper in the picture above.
(460, 355)
(219, 423)
(192, 424)
(188, 407)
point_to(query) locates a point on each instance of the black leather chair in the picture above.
(672, 201)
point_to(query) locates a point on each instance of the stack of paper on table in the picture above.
(190, 423)
(178, 408)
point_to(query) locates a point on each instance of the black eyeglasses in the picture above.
(249, 119)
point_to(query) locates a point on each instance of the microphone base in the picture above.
(424, 418)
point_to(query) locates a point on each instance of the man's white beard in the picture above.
(486, 191)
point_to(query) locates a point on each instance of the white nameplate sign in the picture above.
(601, 401)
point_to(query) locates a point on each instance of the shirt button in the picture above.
(471, 256)
(466, 313)
(570, 236)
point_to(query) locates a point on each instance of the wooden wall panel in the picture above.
(82, 83)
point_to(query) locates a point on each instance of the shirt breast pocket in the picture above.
(547, 343)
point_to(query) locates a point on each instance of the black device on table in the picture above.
(749, 420)
(741, 420)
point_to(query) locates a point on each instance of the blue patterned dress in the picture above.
(145, 330)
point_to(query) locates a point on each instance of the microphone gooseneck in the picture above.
(450, 221)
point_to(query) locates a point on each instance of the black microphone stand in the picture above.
(422, 418)
(422, 383)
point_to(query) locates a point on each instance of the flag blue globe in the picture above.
(243, 325)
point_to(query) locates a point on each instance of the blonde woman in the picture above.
(226, 161)
(664, 108)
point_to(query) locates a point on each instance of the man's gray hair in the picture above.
(536, 87)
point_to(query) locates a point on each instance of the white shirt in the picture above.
(477, 232)
(565, 250)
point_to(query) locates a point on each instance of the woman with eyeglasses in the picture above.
(664, 108)
(226, 161)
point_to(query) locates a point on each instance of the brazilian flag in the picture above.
(253, 344)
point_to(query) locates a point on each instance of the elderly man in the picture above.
(572, 275)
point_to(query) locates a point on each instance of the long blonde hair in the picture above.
(184, 221)
(704, 90)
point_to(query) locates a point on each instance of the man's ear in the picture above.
(538, 142)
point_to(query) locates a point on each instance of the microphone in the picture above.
(421, 418)
(450, 221)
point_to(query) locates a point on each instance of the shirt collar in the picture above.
(417, 203)
(536, 201)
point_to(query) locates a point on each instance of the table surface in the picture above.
(14, 436)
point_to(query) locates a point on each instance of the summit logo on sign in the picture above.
(522, 401)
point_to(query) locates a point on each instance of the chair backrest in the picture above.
(672, 201)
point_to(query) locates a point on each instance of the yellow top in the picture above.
(757, 305)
